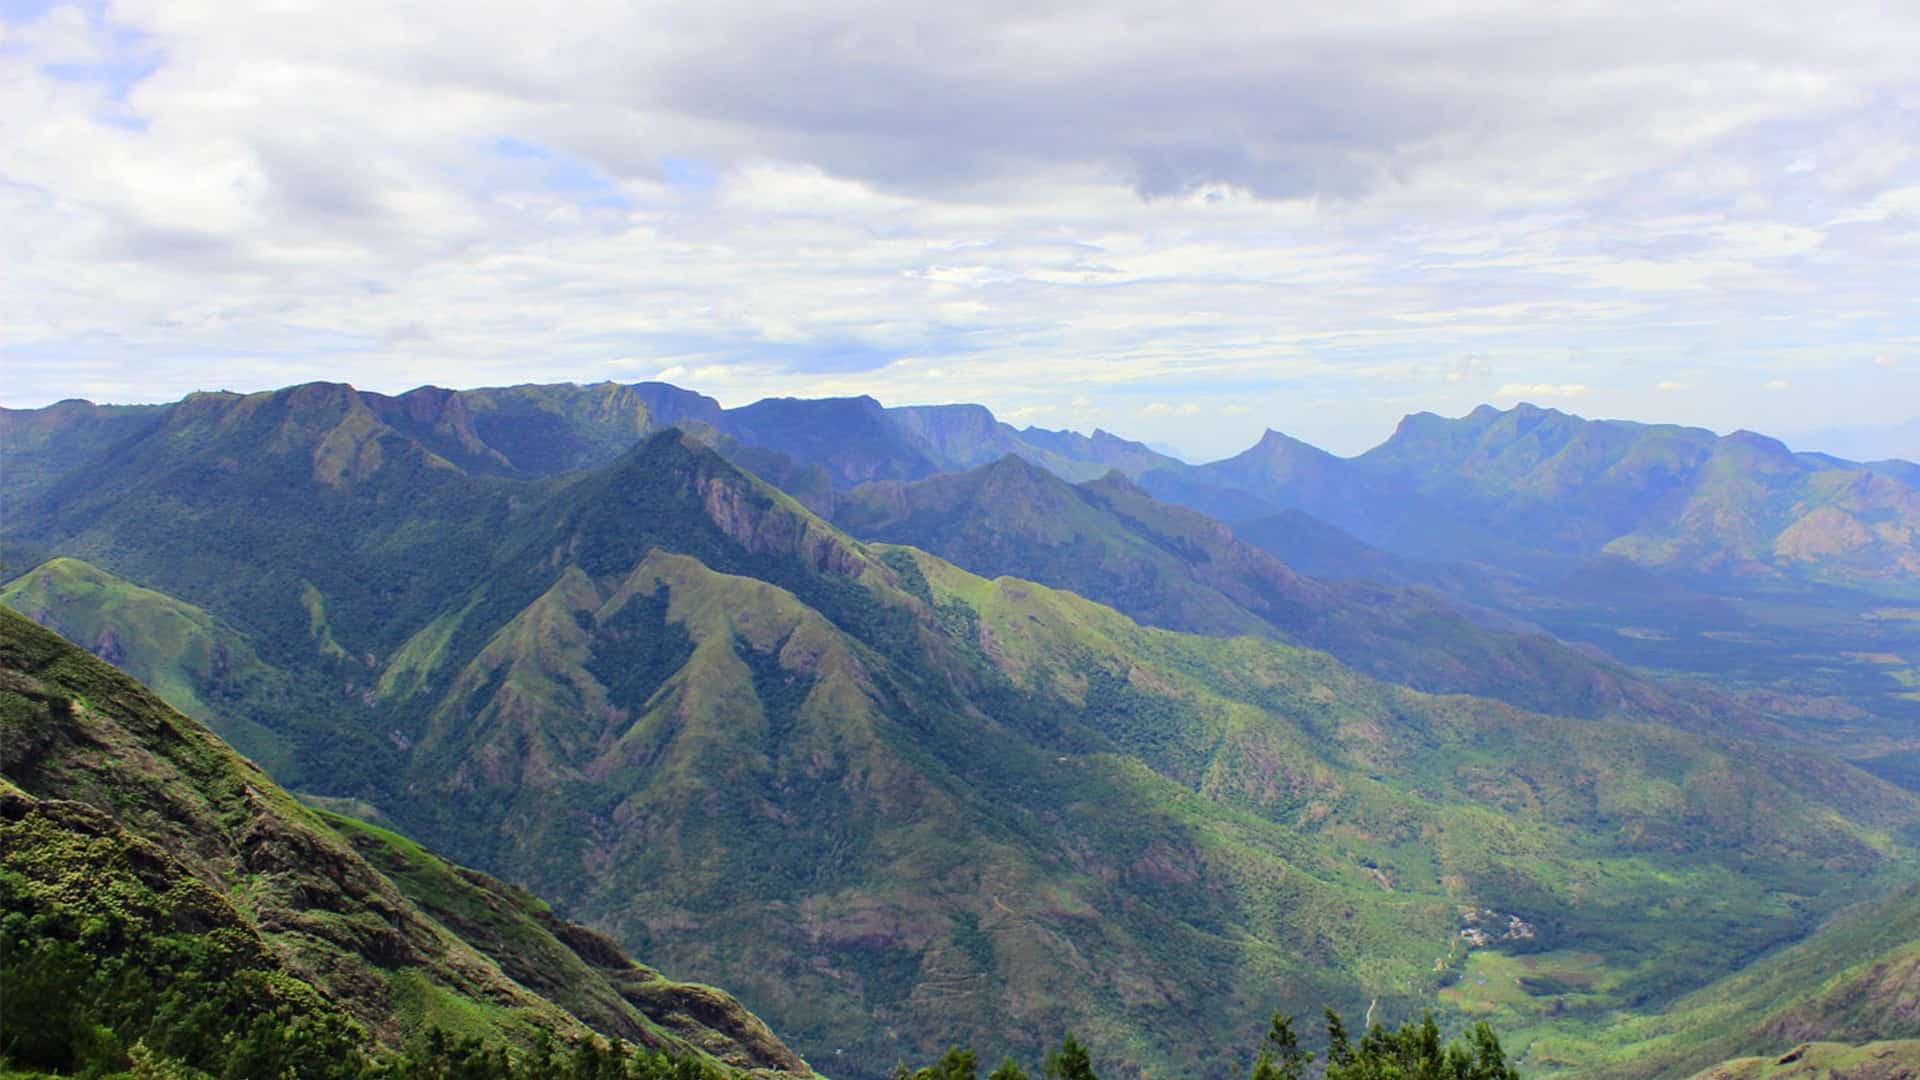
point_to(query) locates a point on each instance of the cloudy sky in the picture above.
(1185, 223)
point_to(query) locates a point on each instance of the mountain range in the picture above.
(912, 728)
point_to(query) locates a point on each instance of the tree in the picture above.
(1414, 1052)
(1339, 1049)
(1009, 1069)
(1070, 1062)
(955, 1064)
(1280, 1055)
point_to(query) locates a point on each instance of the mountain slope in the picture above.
(967, 436)
(197, 664)
(1167, 566)
(1857, 979)
(985, 810)
(127, 825)
(40, 446)
(894, 804)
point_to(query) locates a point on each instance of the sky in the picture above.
(1183, 223)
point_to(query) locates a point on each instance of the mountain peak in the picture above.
(1280, 445)
(1011, 463)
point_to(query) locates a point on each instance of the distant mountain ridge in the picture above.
(1541, 486)
(1525, 483)
(1594, 530)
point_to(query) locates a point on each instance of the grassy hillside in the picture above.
(161, 890)
(1856, 980)
(42, 445)
(1886, 1060)
(194, 662)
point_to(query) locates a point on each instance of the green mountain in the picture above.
(894, 804)
(890, 755)
(40, 446)
(1167, 566)
(195, 662)
(164, 898)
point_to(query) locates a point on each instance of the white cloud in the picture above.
(471, 193)
(1474, 368)
(1161, 408)
(1886, 360)
(1235, 410)
(1541, 390)
(1776, 385)
(1668, 386)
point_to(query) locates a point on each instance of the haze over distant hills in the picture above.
(912, 727)
(1900, 441)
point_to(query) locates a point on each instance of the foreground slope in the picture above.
(134, 841)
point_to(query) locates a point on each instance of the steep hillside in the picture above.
(301, 514)
(1886, 1060)
(1856, 980)
(192, 660)
(147, 868)
(40, 446)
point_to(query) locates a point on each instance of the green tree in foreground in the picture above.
(1411, 1052)
(1070, 1062)
(955, 1064)
(1009, 1070)
(1414, 1052)
(1280, 1055)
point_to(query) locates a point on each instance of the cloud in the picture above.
(1541, 390)
(1235, 410)
(1161, 408)
(1668, 386)
(1028, 202)
(1776, 385)
(1886, 360)
(406, 332)
(1467, 369)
